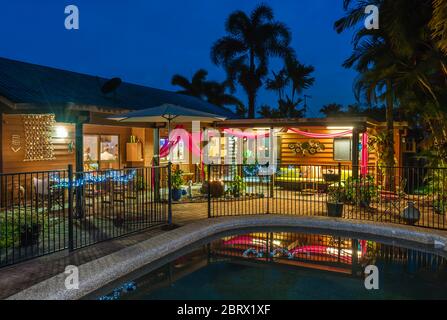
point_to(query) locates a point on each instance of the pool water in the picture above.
(227, 269)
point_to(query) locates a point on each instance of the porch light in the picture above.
(61, 132)
(340, 128)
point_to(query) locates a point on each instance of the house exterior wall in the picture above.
(326, 157)
(12, 161)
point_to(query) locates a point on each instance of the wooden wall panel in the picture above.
(324, 157)
(13, 161)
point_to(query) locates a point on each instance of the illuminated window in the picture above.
(101, 152)
(342, 149)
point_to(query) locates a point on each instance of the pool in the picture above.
(292, 265)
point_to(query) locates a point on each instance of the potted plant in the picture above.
(361, 191)
(177, 182)
(335, 201)
(237, 187)
(216, 188)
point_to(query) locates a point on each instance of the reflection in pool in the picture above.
(285, 265)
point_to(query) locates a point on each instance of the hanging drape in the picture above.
(239, 134)
(365, 155)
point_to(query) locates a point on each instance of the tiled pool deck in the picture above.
(111, 260)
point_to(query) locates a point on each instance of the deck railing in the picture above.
(402, 195)
(49, 211)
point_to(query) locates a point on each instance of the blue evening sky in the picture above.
(147, 41)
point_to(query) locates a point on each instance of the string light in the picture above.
(92, 178)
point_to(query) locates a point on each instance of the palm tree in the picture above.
(196, 87)
(331, 109)
(245, 51)
(399, 64)
(299, 75)
(438, 24)
(212, 91)
(216, 93)
(384, 57)
(294, 76)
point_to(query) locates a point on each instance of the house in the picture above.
(74, 108)
(52, 118)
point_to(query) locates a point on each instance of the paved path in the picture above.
(108, 269)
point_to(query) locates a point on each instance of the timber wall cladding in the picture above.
(13, 147)
(323, 157)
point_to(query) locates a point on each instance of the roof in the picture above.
(30, 85)
(314, 122)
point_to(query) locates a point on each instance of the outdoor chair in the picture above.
(45, 192)
(392, 200)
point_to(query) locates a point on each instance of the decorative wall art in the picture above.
(307, 148)
(16, 143)
(38, 137)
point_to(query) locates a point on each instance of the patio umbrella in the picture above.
(167, 113)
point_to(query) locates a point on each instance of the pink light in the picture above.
(364, 162)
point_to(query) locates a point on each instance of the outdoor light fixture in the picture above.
(340, 128)
(61, 132)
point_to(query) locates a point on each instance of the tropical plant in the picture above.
(377, 144)
(296, 77)
(177, 179)
(245, 51)
(18, 222)
(331, 109)
(211, 91)
(237, 186)
(196, 87)
(399, 63)
(361, 191)
(438, 24)
(337, 193)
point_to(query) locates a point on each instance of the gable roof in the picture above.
(40, 86)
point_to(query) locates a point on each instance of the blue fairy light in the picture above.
(91, 178)
(118, 292)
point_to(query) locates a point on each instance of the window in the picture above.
(342, 149)
(177, 152)
(90, 148)
(109, 148)
(101, 152)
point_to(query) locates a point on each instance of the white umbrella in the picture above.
(167, 113)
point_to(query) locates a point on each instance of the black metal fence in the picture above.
(49, 211)
(402, 195)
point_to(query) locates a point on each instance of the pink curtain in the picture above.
(164, 150)
(364, 163)
(245, 135)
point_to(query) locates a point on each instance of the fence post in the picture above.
(169, 193)
(70, 208)
(209, 190)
